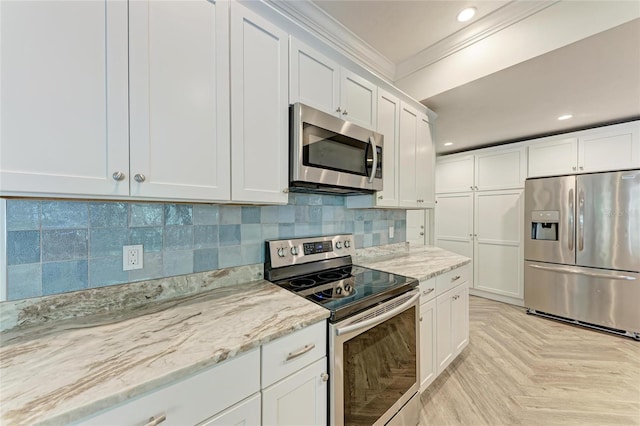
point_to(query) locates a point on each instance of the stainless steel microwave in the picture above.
(328, 154)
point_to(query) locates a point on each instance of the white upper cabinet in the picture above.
(388, 126)
(64, 97)
(425, 164)
(415, 172)
(454, 174)
(259, 108)
(608, 148)
(179, 73)
(318, 81)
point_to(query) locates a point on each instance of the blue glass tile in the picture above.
(315, 200)
(108, 215)
(205, 214)
(358, 215)
(149, 236)
(369, 215)
(229, 235)
(23, 247)
(302, 214)
(23, 215)
(152, 268)
(270, 231)
(230, 256)
(378, 214)
(399, 224)
(146, 215)
(348, 227)
(315, 229)
(368, 226)
(65, 214)
(328, 228)
(250, 234)
(177, 262)
(292, 198)
(61, 277)
(376, 239)
(252, 253)
(230, 215)
(359, 240)
(349, 214)
(107, 271)
(315, 214)
(303, 230)
(340, 227)
(339, 214)
(302, 200)
(24, 281)
(286, 214)
(328, 200)
(178, 214)
(105, 242)
(178, 237)
(250, 215)
(367, 240)
(327, 213)
(379, 225)
(269, 214)
(205, 236)
(400, 235)
(383, 239)
(286, 230)
(65, 244)
(338, 200)
(399, 215)
(205, 260)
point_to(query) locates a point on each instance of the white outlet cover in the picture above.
(132, 257)
(391, 232)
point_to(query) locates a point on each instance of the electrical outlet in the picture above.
(132, 257)
(391, 232)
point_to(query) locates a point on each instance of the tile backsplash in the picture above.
(59, 246)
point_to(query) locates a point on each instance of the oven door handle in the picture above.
(379, 318)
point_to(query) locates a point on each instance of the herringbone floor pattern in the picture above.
(524, 370)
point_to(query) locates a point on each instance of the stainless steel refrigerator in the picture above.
(582, 250)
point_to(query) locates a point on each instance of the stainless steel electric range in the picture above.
(373, 327)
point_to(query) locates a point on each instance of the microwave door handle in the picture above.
(374, 166)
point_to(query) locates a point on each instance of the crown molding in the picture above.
(317, 22)
(509, 14)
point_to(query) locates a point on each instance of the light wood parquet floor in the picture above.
(520, 369)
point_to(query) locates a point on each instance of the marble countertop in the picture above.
(63, 371)
(422, 262)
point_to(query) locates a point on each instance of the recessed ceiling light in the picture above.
(448, 144)
(565, 117)
(466, 14)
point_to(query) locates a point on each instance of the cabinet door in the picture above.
(298, 399)
(425, 164)
(416, 233)
(500, 169)
(454, 223)
(64, 104)
(388, 126)
(554, 157)
(498, 247)
(455, 174)
(314, 79)
(427, 343)
(444, 344)
(245, 413)
(459, 318)
(179, 99)
(407, 190)
(259, 109)
(358, 99)
(613, 148)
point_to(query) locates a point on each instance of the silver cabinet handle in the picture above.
(585, 273)
(300, 352)
(581, 168)
(421, 234)
(573, 168)
(580, 220)
(324, 377)
(379, 197)
(345, 112)
(424, 293)
(338, 109)
(456, 278)
(153, 421)
(374, 166)
(572, 225)
(471, 187)
(118, 176)
(139, 177)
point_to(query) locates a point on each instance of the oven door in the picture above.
(374, 362)
(327, 150)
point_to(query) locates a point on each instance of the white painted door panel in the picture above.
(425, 164)
(416, 233)
(245, 413)
(259, 108)
(407, 189)
(358, 99)
(455, 174)
(64, 108)
(388, 126)
(616, 148)
(428, 368)
(500, 169)
(556, 157)
(460, 318)
(454, 222)
(179, 97)
(444, 344)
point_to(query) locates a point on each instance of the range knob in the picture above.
(347, 243)
(281, 252)
(294, 250)
(338, 245)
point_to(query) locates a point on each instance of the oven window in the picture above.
(379, 367)
(328, 150)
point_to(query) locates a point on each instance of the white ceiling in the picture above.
(597, 79)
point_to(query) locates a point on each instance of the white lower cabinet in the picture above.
(452, 324)
(428, 370)
(244, 413)
(298, 399)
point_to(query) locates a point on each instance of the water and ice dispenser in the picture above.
(544, 225)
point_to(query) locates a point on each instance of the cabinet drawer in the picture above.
(450, 279)
(427, 290)
(191, 400)
(289, 354)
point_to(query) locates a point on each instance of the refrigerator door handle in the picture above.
(572, 224)
(580, 220)
(585, 273)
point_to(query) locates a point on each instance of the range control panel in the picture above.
(311, 249)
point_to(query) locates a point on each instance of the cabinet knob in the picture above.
(471, 235)
(286, 190)
(581, 168)
(379, 197)
(324, 377)
(118, 176)
(420, 319)
(345, 112)
(422, 233)
(475, 235)
(139, 177)
(338, 109)
(471, 187)
(573, 168)
(156, 420)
